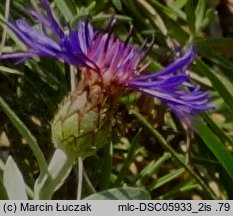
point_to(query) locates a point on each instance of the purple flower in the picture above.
(103, 57)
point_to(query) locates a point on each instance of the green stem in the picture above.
(80, 178)
(107, 167)
(88, 181)
(4, 33)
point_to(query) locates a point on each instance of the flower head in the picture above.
(105, 59)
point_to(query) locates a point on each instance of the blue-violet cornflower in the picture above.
(113, 62)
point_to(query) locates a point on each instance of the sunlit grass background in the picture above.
(150, 148)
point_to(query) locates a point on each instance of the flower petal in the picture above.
(180, 64)
(53, 23)
(66, 47)
(173, 87)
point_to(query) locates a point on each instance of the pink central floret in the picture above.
(115, 61)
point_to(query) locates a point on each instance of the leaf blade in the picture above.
(13, 181)
(24, 131)
(217, 148)
(217, 83)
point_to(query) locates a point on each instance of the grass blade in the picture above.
(128, 160)
(217, 130)
(151, 168)
(167, 178)
(217, 148)
(190, 16)
(200, 13)
(10, 70)
(183, 187)
(217, 84)
(24, 131)
(67, 8)
(3, 194)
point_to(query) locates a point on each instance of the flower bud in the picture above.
(82, 123)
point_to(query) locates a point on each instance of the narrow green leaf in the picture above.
(178, 4)
(221, 42)
(177, 32)
(102, 17)
(132, 11)
(209, 17)
(156, 23)
(58, 170)
(218, 55)
(151, 168)
(222, 61)
(167, 178)
(217, 130)
(117, 4)
(200, 13)
(24, 131)
(125, 193)
(129, 159)
(181, 188)
(190, 16)
(82, 13)
(29, 191)
(13, 181)
(222, 45)
(217, 83)
(3, 193)
(217, 148)
(169, 11)
(207, 163)
(4, 33)
(67, 8)
(10, 70)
